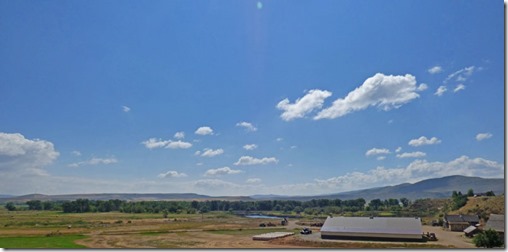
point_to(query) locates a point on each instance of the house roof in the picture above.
(470, 229)
(373, 225)
(496, 222)
(462, 218)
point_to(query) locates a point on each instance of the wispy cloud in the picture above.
(253, 181)
(483, 136)
(221, 171)
(376, 151)
(172, 174)
(205, 130)
(248, 160)
(211, 153)
(416, 154)
(440, 90)
(424, 141)
(76, 153)
(383, 91)
(459, 87)
(313, 100)
(461, 75)
(126, 109)
(248, 126)
(95, 161)
(250, 146)
(153, 143)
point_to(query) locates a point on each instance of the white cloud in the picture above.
(415, 154)
(416, 171)
(126, 109)
(253, 181)
(422, 87)
(205, 130)
(180, 135)
(76, 153)
(383, 91)
(259, 5)
(250, 146)
(459, 87)
(172, 174)
(381, 158)
(424, 141)
(221, 171)
(95, 161)
(25, 156)
(314, 99)
(376, 151)
(211, 153)
(247, 126)
(398, 149)
(178, 145)
(153, 143)
(483, 136)
(461, 74)
(435, 70)
(279, 139)
(440, 90)
(248, 160)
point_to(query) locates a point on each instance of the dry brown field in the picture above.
(211, 230)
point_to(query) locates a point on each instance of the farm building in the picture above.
(496, 222)
(372, 228)
(460, 222)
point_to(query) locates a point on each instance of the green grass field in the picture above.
(64, 241)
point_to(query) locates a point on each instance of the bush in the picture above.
(488, 239)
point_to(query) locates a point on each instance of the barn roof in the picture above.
(462, 218)
(470, 229)
(496, 222)
(373, 225)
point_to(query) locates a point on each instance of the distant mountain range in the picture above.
(430, 188)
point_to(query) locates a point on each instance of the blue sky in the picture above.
(248, 97)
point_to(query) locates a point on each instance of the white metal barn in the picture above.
(372, 228)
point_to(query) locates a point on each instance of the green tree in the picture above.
(10, 206)
(470, 192)
(488, 239)
(165, 213)
(405, 202)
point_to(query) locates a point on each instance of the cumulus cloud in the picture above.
(172, 174)
(416, 171)
(95, 161)
(221, 171)
(250, 146)
(440, 90)
(483, 136)
(253, 181)
(205, 130)
(248, 126)
(178, 145)
(383, 91)
(180, 135)
(248, 160)
(459, 87)
(126, 109)
(398, 149)
(153, 143)
(376, 151)
(416, 154)
(24, 156)
(211, 153)
(435, 69)
(314, 99)
(424, 141)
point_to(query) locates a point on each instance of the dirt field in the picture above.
(213, 230)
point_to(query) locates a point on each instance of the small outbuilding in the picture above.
(372, 228)
(471, 231)
(460, 222)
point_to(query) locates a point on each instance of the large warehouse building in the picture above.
(372, 228)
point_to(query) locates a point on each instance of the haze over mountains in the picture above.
(430, 188)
